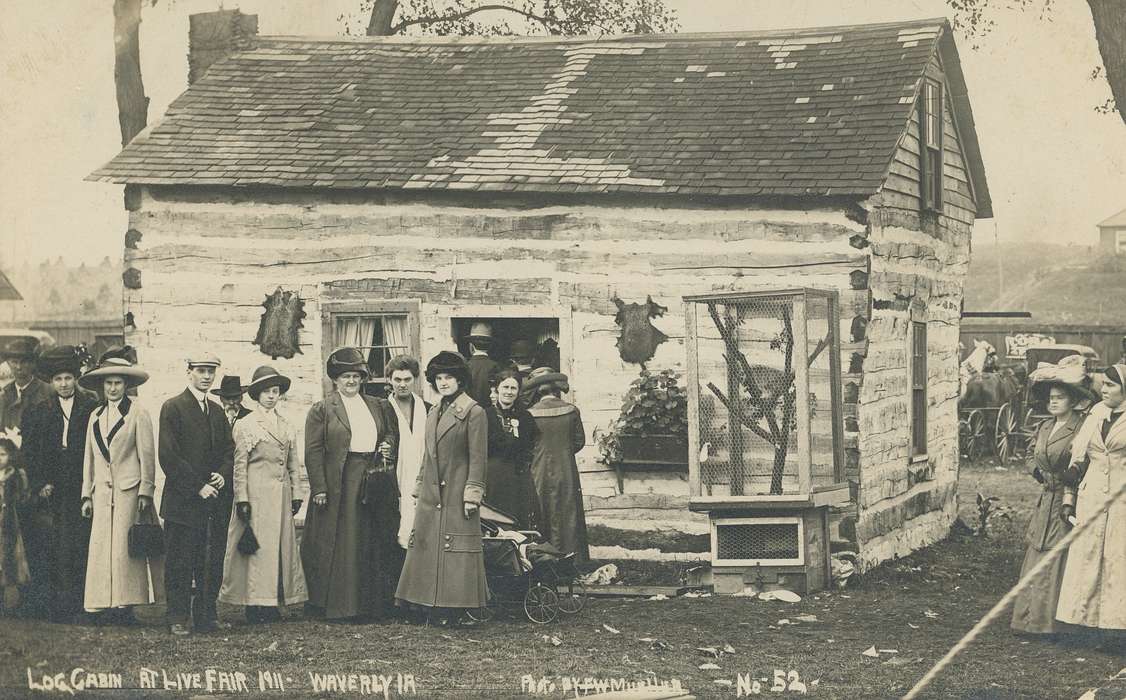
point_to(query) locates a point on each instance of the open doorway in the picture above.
(524, 342)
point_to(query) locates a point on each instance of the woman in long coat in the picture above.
(266, 480)
(554, 469)
(343, 436)
(512, 434)
(118, 482)
(1094, 583)
(445, 566)
(1034, 610)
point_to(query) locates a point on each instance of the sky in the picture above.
(1055, 166)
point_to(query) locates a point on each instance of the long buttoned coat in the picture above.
(13, 405)
(555, 473)
(335, 534)
(57, 544)
(266, 475)
(114, 480)
(1035, 608)
(445, 566)
(1094, 583)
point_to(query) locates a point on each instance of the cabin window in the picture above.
(918, 388)
(930, 144)
(380, 329)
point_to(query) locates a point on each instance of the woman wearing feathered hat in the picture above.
(118, 482)
(554, 469)
(444, 571)
(346, 436)
(266, 478)
(1094, 582)
(1064, 389)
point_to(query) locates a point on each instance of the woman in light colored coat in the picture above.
(445, 567)
(118, 481)
(1094, 583)
(266, 482)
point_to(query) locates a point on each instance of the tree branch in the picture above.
(454, 16)
(752, 427)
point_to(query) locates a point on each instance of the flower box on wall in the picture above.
(657, 450)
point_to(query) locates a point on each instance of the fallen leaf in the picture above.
(888, 651)
(871, 652)
(659, 596)
(658, 645)
(555, 641)
(708, 667)
(41, 664)
(914, 627)
(709, 651)
(782, 595)
(728, 649)
(931, 614)
(610, 629)
(898, 661)
(273, 646)
(806, 618)
(722, 681)
(646, 639)
(783, 622)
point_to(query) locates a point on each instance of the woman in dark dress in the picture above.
(346, 435)
(1034, 610)
(512, 433)
(554, 469)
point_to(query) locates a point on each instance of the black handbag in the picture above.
(146, 539)
(248, 543)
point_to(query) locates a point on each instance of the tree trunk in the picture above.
(1110, 33)
(132, 104)
(382, 14)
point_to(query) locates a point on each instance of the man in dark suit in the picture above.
(54, 446)
(482, 368)
(26, 389)
(230, 393)
(196, 454)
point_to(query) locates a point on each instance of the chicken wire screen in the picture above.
(767, 540)
(765, 372)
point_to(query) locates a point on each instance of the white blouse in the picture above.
(365, 436)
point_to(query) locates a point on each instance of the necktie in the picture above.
(203, 406)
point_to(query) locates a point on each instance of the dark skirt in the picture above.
(382, 554)
(339, 591)
(509, 488)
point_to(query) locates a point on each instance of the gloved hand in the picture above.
(1067, 511)
(1038, 475)
(295, 505)
(87, 508)
(144, 503)
(242, 511)
(1071, 476)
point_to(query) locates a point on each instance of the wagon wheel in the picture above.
(572, 596)
(974, 437)
(541, 604)
(1004, 433)
(479, 614)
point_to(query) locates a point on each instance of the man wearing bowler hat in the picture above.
(230, 393)
(26, 389)
(54, 445)
(196, 454)
(482, 368)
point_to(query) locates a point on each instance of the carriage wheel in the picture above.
(541, 604)
(480, 614)
(572, 596)
(973, 435)
(1004, 433)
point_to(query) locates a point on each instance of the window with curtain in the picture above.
(379, 336)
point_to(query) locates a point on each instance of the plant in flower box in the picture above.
(653, 424)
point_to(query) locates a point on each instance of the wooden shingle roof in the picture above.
(1114, 221)
(814, 112)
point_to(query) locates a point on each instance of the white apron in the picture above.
(412, 439)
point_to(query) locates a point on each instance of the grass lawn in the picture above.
(918, 606)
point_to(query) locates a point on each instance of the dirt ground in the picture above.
(912, 611)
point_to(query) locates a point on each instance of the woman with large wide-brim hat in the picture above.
(346, 436)
(118, 482)
(444, 572)
(1064, 389)
(555, 472)
(266, 482)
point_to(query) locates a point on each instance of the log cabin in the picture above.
(398, 189)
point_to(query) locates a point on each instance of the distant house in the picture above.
(1112, 234)
(10, 300)
(403, 187)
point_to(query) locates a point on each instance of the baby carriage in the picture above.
(523, 570)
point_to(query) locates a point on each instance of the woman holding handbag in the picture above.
(262, 569)
(118, 481)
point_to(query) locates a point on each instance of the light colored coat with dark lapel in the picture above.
(445, 567)
(267, 475)
(1094, 583)
(113, 578)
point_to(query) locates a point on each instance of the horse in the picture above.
(975, 364)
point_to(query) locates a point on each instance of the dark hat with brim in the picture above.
(230, 387)
(346, 360)
(264, 378)
(546, 375)
(57, 360)
(20, 349)
(447, 362)
(114, 367)
(1069, 374)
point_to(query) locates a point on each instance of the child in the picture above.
(13, 559)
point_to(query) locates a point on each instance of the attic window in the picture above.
(930, 144)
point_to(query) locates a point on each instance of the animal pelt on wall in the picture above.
(281, 321)
(639, 338)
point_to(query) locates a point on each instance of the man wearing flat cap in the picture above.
(26, 389)
(196, 454)
(54, 445)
